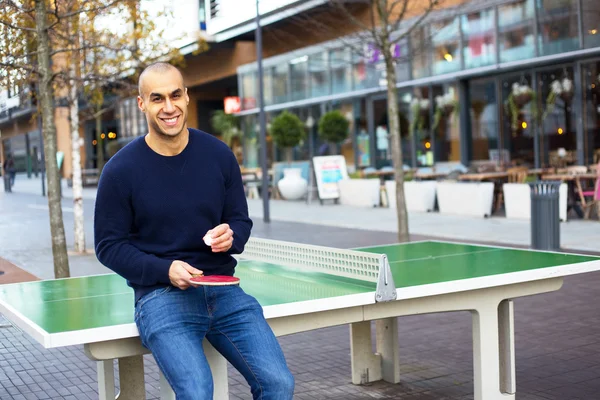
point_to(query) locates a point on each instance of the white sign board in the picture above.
(329, 170)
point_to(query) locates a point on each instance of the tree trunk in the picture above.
(396, 142)
(77, 179)
(99, 143)
(289, 154)
(45, 94)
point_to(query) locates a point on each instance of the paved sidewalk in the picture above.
(575, 234)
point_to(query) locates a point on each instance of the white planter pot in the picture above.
(419, 195)
(517, 200)
(465, 198)
(359, 192)
(292, 186)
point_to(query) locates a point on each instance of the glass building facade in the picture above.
(512, 82)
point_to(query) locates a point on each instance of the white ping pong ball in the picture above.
(208, 240)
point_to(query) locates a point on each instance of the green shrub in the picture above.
(333, 127)
(226, 125)
(287, 131)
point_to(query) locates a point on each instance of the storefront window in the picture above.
(249, 90)
(268, 86)
(557, 26)
(558, 137)
(250, 143)
(318, 69)
(590, 13)
(299, 77)
(346, 147)
(478, 38)
(484, 119)
(516, 145)
(420, 125)
(382, 138)
(280, 78)
(446, 123)
(591, 112)
(420, 45)
(515, 25)
(360, 74)
(341, 78)
(446, 46)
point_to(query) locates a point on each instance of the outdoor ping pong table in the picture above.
(302, 288)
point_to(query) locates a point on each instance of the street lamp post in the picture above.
(262, 121)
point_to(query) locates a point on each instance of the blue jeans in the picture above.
(173, 323)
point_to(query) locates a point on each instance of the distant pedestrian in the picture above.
(9, 172)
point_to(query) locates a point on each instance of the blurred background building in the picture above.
(508, 81)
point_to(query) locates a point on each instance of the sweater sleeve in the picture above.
(113, 218)
(235, 212)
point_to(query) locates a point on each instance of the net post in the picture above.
(386, 289)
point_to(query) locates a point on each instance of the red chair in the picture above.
(592, 197)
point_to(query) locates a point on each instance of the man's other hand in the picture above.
(180, 274)
(222, 238)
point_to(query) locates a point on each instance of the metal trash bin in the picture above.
(545, 218)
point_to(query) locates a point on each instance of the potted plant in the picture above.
(333, 127)
(226, 125)
(444, 107)
(563, 89)
(519, 97)
(288, 132)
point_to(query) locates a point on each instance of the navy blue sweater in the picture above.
(152, 209)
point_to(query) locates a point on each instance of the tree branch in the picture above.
(16, 27)
(18, 66)
(400, 17)
(432, 5)
(20, 9)
(88, 47)
(339, 5)
(89, 10)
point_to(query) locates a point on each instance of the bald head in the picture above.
(152, 69)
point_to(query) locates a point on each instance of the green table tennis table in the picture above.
(304, 287)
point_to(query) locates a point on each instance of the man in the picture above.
(9, 173)
(158, 198)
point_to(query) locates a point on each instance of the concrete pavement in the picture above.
(576, 234)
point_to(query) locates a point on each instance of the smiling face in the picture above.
(164, 100)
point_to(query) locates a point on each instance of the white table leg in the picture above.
(366, 366)
(387, 346)
(506, 318)
(486, 353)
(131, 378)
(106, 380)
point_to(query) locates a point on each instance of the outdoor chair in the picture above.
(517, 174)
(591, 198)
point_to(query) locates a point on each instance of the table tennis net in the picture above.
(340, 262)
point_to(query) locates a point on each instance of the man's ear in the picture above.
(140, 102)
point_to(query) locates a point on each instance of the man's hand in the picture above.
(222, 238)
(180, 272)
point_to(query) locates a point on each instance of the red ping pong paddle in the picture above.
(214, 280)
